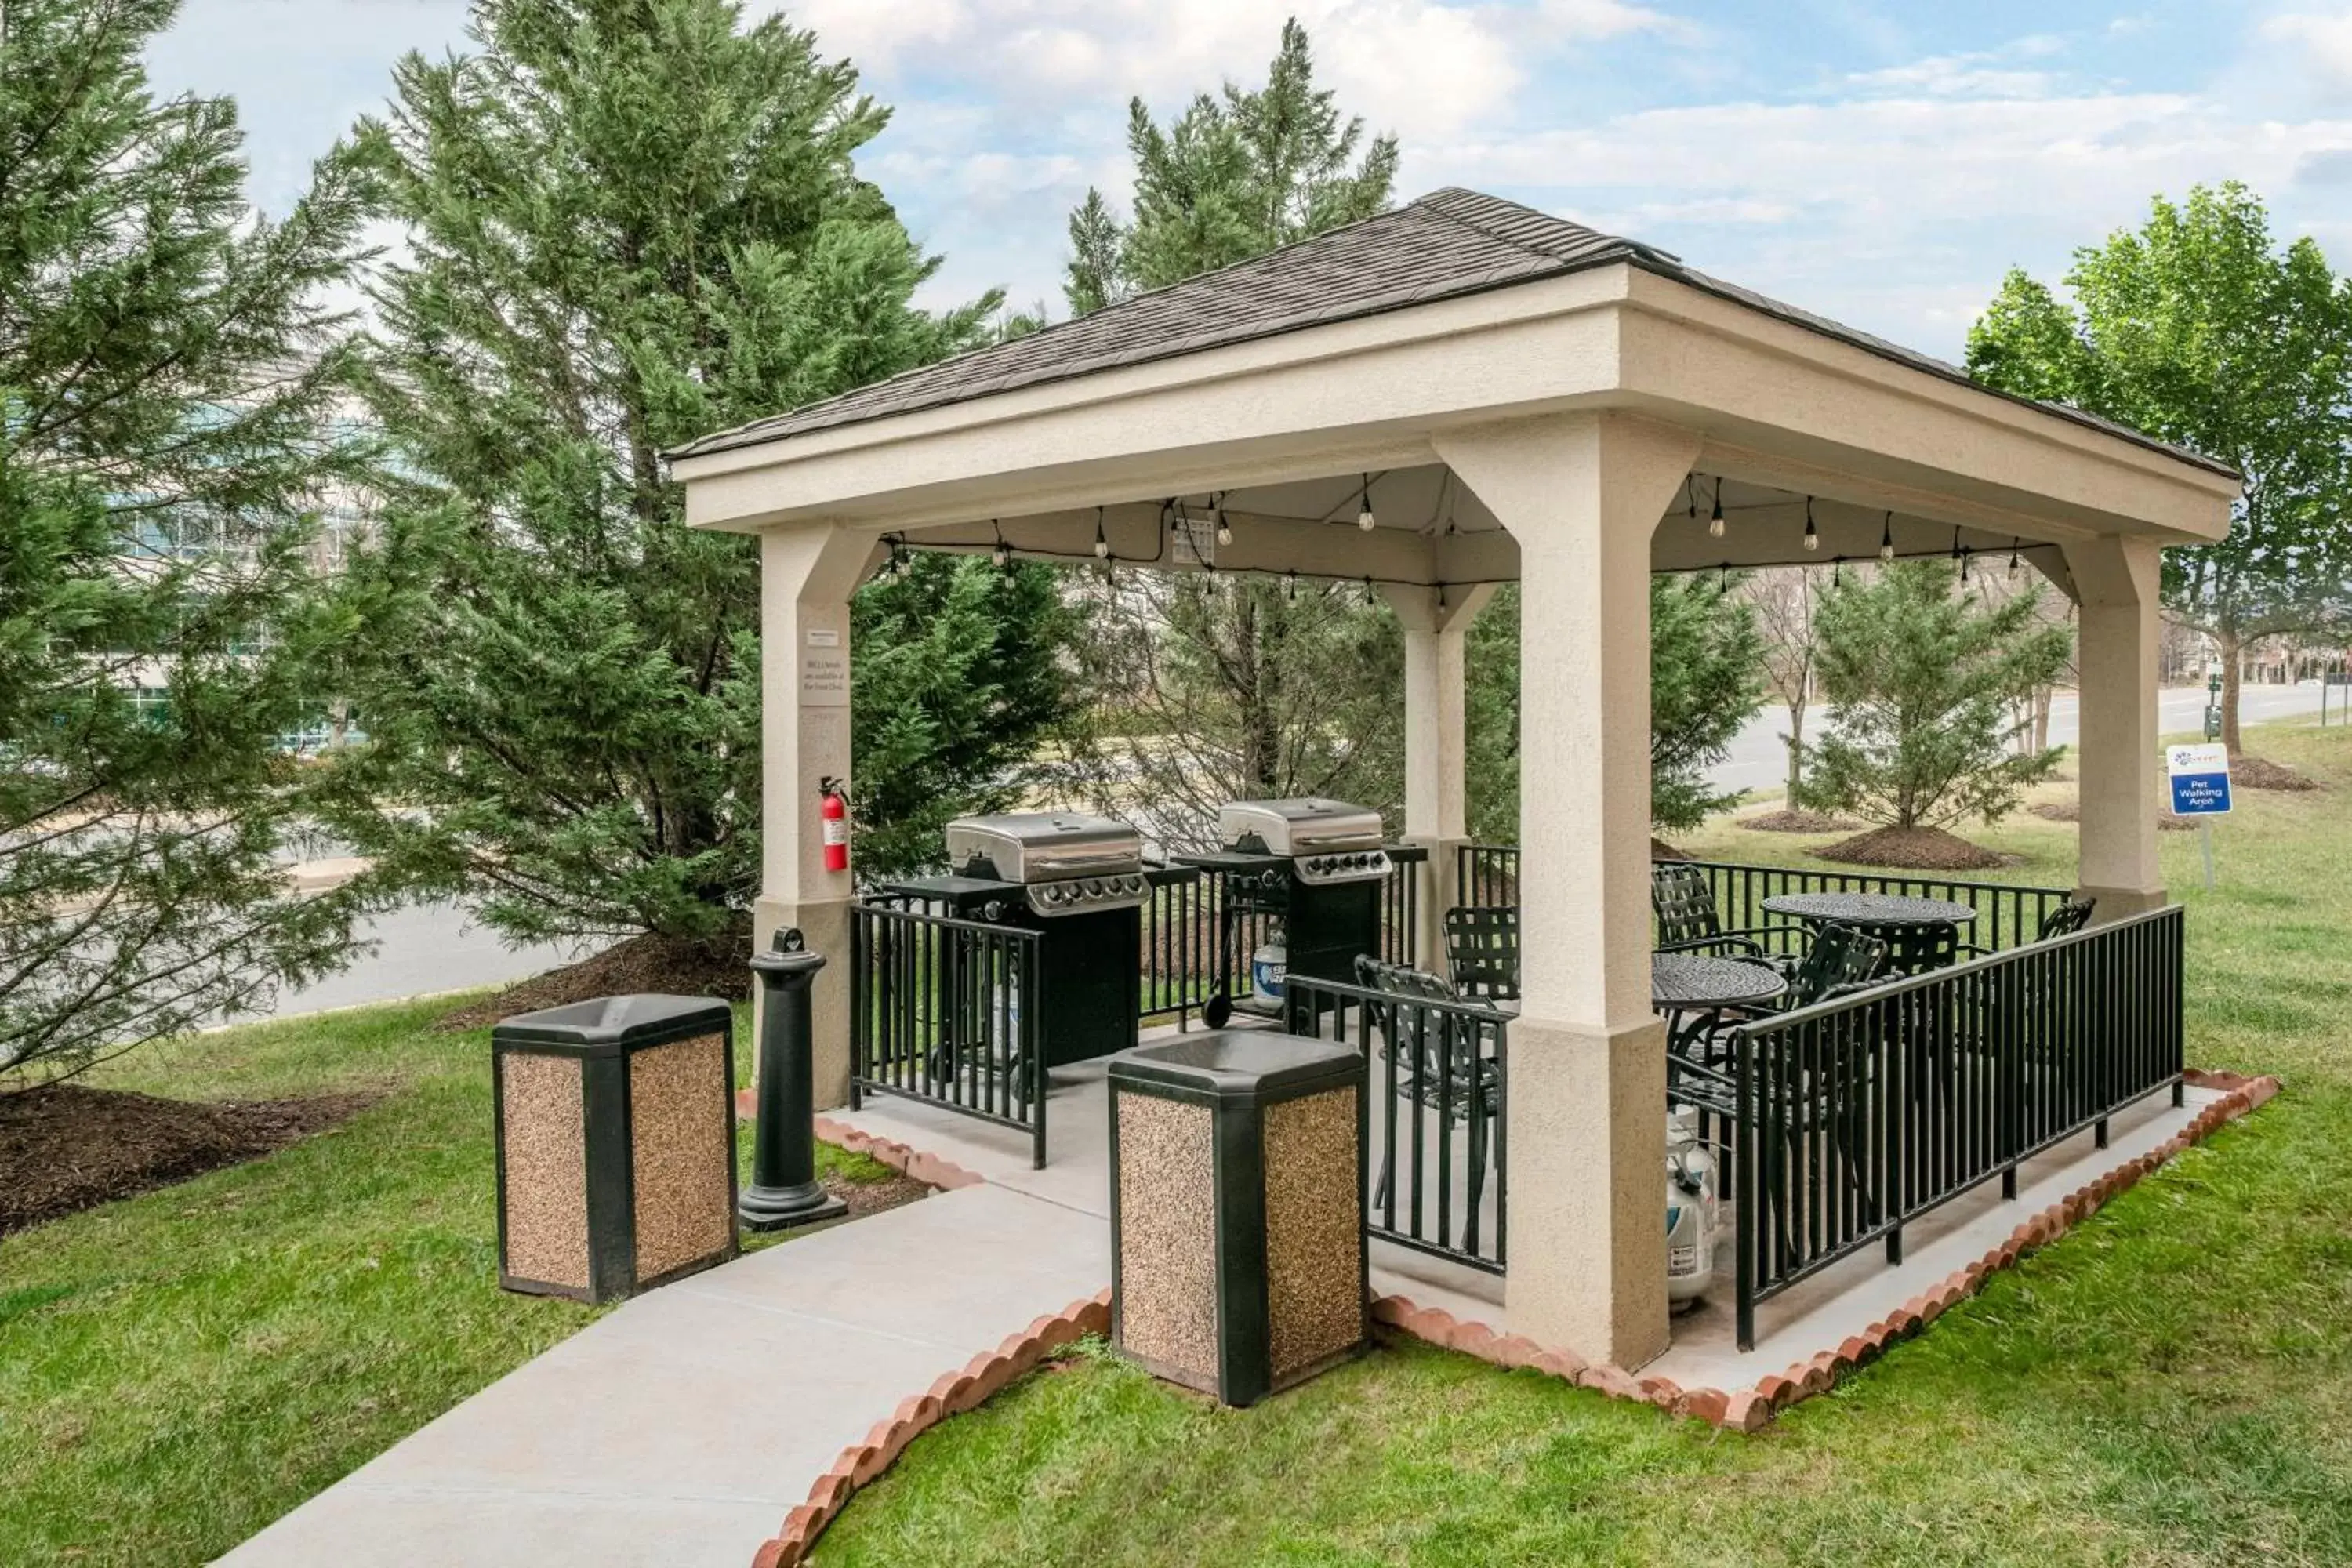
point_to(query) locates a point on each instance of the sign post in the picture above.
(2201, 789)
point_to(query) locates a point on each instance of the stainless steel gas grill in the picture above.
(1077, 880)
(1307, 870)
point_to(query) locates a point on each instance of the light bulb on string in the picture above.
(1812, 535)
(1886, 537)
(1967, 556)
(2014, 545)
(1714, 517)
(1102, 545)
(1224, 528)
(1291, 585)
(1364, 518)
(1370, 598)
(1837, 572)
(1723, 580)
(1002, 553)
(1956, 542)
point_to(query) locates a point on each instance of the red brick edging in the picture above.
(982, 1378)
(1750, 1409)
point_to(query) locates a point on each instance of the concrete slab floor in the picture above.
(682, 1427)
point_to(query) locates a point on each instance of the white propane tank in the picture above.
(1691, 1213)
(1269, 966)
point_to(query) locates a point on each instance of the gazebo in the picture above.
(1455, 393)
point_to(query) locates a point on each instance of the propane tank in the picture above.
(833, 815)
(1691, 1212)
(1269, 966)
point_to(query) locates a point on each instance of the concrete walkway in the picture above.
(678, 1430)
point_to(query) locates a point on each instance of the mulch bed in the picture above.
(1912, 849)
(64, 1148)
(653, 964)
(872, 1198)
(1788, 821)
(2068, 811)
(2261, 772)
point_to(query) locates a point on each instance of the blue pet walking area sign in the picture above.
(2200, 779)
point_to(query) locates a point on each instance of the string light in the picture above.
(1812, 535)
(1837, 573)
(1690, 495)
(1723, 580)
(1364, 518)
(1714, 517)
(1956, 542)
(1369, 597)
(2014, 544)
(1102, 545)
(1224, 528)
(1002, 553)
(1291, 585)
(1965, 557)
(1886, 537)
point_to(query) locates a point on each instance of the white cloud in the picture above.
(2323, 41)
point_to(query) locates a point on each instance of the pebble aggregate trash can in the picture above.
(1238, 1261)
(616, 1144)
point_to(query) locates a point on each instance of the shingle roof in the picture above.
(1447, 244)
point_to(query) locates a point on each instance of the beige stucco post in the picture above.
(807, 574)
(2116, 581)
(1436, 622)
(1581, 495)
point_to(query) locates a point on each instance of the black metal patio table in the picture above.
(1697, 987)
(1920, 934)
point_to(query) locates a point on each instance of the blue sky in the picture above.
(1879, 164)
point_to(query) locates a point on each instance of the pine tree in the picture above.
(630, 225)
(1254, 687)
(168, 380)
(1923, 684)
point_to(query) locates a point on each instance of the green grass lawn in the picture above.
(2168, 1384)
(179, 1369)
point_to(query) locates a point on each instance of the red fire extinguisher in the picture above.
(833, 812)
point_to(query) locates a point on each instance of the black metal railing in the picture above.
(937, 1013)
(1436, 1073)
(2007, 914)
(1852, 1117)
(1187, 957)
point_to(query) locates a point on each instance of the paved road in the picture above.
(420, 950)
(1759, 756)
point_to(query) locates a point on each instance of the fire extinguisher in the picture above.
(833, 812)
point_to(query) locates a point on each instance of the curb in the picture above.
(1751, 1409)
(952, 1394)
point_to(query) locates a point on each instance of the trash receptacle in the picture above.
(616, 1144)
(1238, 1262)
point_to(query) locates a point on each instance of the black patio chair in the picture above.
(1444, 1060)
(2065, 920)
(1684, 901)
(1481, 950)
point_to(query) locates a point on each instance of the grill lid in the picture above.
(1305, 824)
(1032, 846)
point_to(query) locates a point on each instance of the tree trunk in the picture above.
(2231, 647)
(2042, 699)
(1796, 754)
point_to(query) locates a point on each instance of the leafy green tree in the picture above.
(2197, 328)
(1705, 658)
(1249, 687)
(168, 379)
(1923, 684)
(1706, 662)
(629, 225)
(959, 673)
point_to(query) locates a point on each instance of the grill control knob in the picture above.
(1094, 889)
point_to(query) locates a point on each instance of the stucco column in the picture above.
(1586, 1098)
(1436, 622)
(2116, 581)
(807, 575)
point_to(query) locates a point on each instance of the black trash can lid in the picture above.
(610, 1024)
(1240, 1065)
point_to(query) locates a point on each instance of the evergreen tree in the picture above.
(1706, 655)
(1923, 684)
(1254, 687)
(168, 379)
(630, 225)
(2197, 329)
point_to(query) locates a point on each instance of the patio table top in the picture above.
(1871, 908)
(1685, 982)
